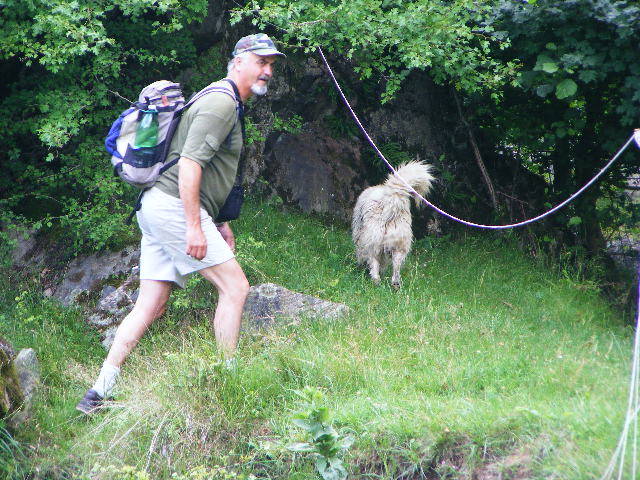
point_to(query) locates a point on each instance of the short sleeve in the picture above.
(212, 119)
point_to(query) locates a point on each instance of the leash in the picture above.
(630, 428)
(635, 136)
(633, 404)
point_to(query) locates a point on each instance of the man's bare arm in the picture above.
(190, 174)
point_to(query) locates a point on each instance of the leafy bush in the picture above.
(323, 441)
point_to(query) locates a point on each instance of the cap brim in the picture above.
(264, 52)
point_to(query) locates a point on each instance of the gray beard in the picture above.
(259, 89)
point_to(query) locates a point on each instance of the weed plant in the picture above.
(483, 360)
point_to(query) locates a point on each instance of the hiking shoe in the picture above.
(91, 402)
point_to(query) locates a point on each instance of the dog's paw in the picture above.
(396, 284)
(375, 280)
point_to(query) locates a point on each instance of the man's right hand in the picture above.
(196, 243)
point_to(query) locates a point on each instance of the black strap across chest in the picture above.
(240, 105)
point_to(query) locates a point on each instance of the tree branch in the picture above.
(476, 152)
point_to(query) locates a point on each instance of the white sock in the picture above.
(106, 380)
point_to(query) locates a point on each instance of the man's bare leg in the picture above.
(233, 289)
(150, 305)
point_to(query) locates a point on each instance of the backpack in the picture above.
(138, 141)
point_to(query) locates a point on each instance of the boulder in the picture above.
(86, 273)
(27, 370)
(268, 302)
(108, 336)
(115, 303)
(11, 396)
(7, 353)
(316, 172)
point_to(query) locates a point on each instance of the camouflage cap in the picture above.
(258, 43)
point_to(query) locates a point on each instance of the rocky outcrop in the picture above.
(11, 396)
(269, 302)
(87, 273)
(115, 303)
(27, 369)
(318, 173)
(19, 380)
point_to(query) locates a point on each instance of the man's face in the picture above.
(256, 71)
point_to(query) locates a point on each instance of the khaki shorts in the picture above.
(163, 246)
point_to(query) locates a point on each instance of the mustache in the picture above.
(266, 78)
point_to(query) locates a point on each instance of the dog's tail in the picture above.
(415, 173)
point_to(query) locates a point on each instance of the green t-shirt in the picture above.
(210, 135)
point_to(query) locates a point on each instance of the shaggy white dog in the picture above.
(381, 224)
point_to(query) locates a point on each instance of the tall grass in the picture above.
(484, 357)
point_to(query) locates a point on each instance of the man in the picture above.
(179, 235)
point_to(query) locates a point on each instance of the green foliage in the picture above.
(252, 133)
(211, 473)
(323, 441)
(259, 132)
(576, 96)
(60, 60)
(340, 126)
(128, 472)
(292, 125)
(393, 152)
(387, 38)
(125, 472)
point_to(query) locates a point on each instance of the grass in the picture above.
(484, 356)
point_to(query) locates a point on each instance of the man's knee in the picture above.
(237, 289)
(148, 311)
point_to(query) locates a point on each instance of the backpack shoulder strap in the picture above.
(238, 100)
(207, 90)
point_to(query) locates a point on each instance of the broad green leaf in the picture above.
(327, 433)
(587, 75)
(302, 423)
(323, 414)
(566, 88)
(542, 60)
(573, 221)
(544, 90)
(300, 447)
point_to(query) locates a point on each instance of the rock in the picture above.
(31, 250)
(106, 291)
(7, 353)
(11, 395)
(86, 273)
(25, 245)
(625, 252)
(27, 370)
(115, 303)
(633, 191)
(107, 337)
(268, 302)
(318, 173)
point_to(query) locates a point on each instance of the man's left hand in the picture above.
(227, 234)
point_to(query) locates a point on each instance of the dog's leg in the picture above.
(397, 259)
(374, 269)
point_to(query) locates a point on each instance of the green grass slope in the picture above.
(484, 365)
